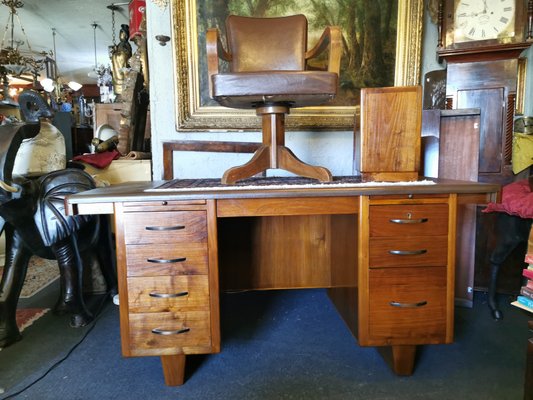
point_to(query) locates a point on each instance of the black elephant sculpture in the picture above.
(32, 215)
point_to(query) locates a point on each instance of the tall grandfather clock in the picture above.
(481, 42)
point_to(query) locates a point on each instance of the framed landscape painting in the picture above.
(382, 42)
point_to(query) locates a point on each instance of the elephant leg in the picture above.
(512, 231)
(106, 256)
(71, 274)
(16, 265)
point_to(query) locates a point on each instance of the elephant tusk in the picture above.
(8, 188)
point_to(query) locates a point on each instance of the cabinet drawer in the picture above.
(165, 227)
(182, 332)
(409, 220)
(166, 259)
(167, 293)
(408, 251)
(407, 305)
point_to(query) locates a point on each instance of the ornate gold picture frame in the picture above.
(194, 111)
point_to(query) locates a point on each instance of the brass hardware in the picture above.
(168, 295)
(408, 252)
(165, 228)
(408, 221)
(158, 331)
(408, 305)
(165, 261)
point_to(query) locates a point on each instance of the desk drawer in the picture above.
(407, 305)
(409, 220)
(167, 259)
(181, 332)
(168, 293)
(408, 251)
(165, 227)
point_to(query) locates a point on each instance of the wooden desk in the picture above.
(386, 254)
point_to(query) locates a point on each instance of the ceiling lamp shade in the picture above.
(13, 60)
(74, 85)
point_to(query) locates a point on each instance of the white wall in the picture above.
(329, 149)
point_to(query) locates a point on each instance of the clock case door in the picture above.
(468, 50)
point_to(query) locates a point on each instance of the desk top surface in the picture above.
(162, 191)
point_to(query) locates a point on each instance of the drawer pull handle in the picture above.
(168, 295)
(158, 331)
(408, 305)
(409, 221)
(165, 228)
(408, 252)
(165, 260)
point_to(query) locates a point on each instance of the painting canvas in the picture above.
(377, 36)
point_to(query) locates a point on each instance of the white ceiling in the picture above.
(74, 40)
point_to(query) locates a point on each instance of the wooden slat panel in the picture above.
(391, 120)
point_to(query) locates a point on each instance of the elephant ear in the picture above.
(50, 217)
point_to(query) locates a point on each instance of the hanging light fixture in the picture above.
(102, 74)
(14, 60)
(54, 85)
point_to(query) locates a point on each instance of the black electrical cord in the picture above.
(57, 363)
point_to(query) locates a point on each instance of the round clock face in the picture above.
(484, 19)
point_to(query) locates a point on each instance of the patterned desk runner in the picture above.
(274, 183)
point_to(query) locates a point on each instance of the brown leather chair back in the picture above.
(267, 44)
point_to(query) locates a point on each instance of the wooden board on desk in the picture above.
(120, 171)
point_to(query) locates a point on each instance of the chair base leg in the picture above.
(286, 159)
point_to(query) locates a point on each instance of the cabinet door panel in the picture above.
(492, 103)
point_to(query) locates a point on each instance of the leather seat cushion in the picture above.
(250, 89)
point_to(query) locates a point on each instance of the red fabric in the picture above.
(517, 199)
(99, 160)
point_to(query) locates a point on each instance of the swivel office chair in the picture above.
(268, 72)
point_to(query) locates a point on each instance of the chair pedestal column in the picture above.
(273, 153)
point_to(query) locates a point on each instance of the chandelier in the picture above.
(53, 84)
(14, 60)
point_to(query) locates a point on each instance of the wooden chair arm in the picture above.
(332, 39)
(215, 51)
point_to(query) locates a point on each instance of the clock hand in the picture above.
(484, 6)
